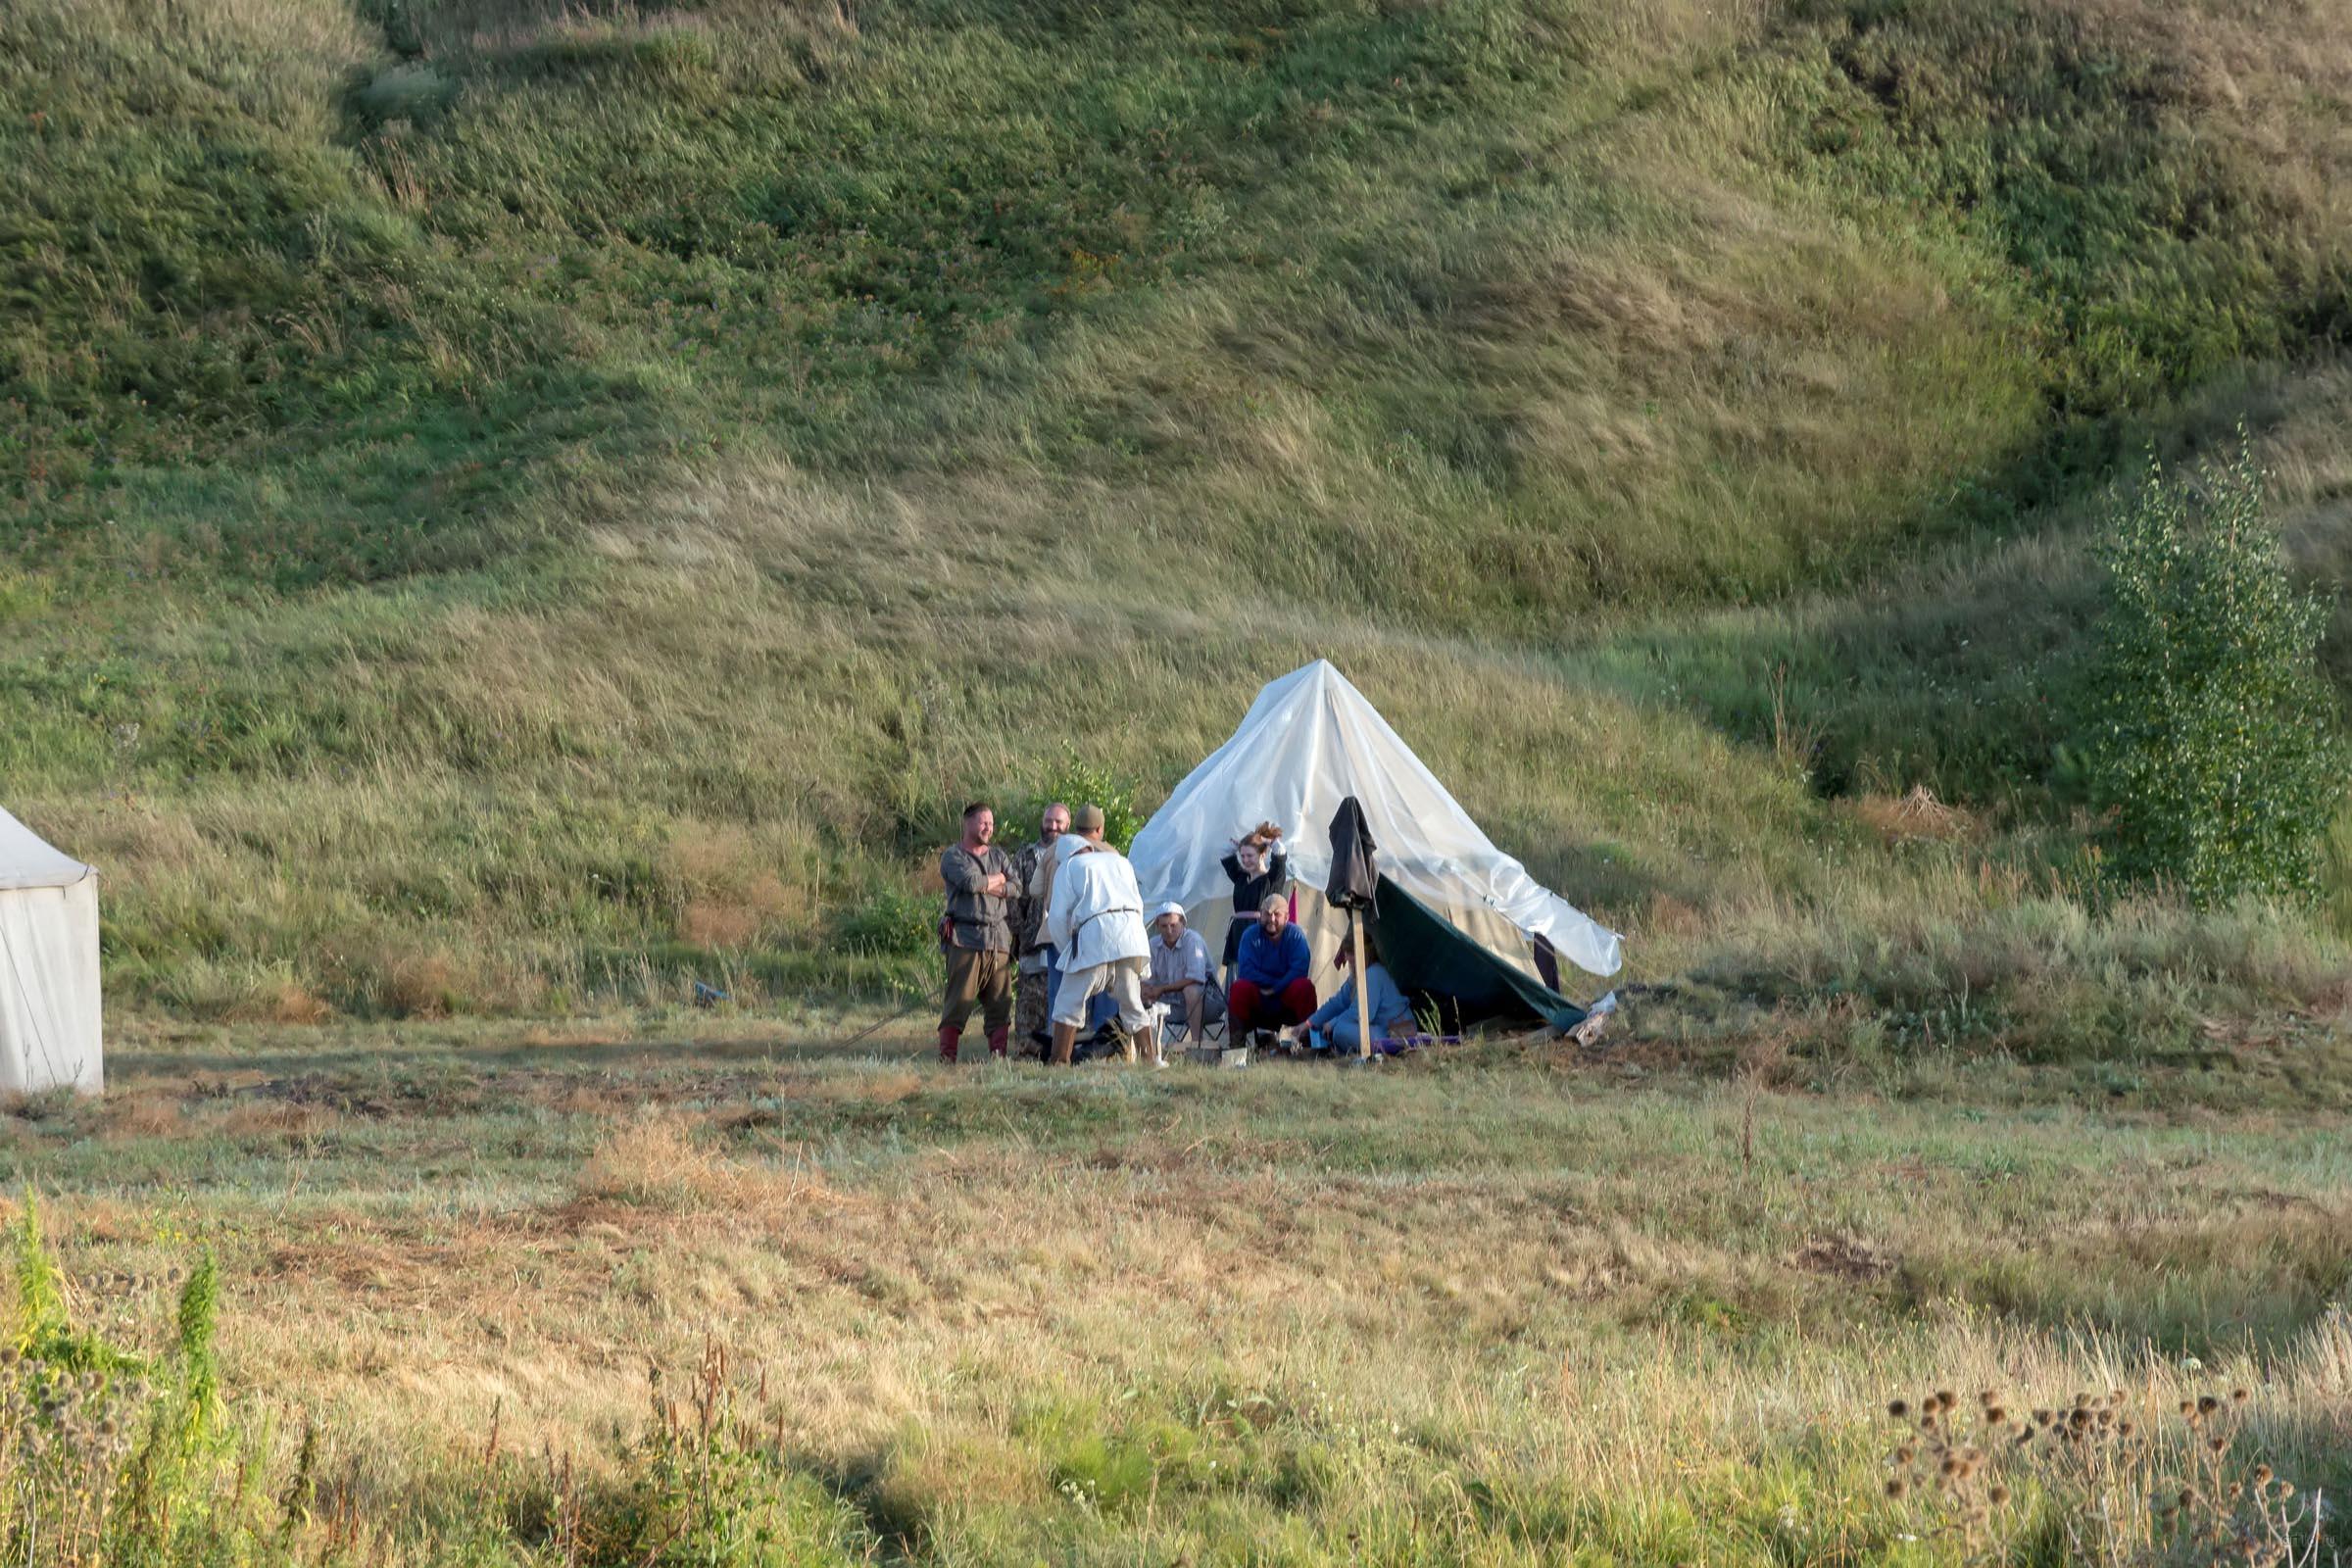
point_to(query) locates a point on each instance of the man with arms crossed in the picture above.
(977, 939)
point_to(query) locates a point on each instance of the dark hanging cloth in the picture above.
(1354, 880)
(1547, 960)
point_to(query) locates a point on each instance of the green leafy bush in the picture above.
(2210, 734)
(1076, 782)
(409, 90)
(893, 922)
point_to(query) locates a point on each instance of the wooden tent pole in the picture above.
(1363, 989)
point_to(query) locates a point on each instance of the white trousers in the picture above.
(1121, 978)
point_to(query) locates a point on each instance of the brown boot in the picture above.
(948, 1039)
(997, 1041)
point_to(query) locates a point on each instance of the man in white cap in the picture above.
(1182, 973)
(1095, 918)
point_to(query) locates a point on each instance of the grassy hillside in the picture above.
(511, 504)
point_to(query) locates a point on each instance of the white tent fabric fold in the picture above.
(50, 1024)
(1309, 741)
(27, 861)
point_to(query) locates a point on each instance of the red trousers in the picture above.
(1250, 1007)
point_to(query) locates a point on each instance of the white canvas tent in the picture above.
(1310, 741)
(49, 1023)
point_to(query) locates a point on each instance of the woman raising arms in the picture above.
(1258, 866)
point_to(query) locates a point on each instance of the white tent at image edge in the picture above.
(49, 1020)
(1310, 741)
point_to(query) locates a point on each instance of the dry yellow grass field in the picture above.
(1500, 1307)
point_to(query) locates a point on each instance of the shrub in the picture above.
(1076, 782)
(893, 923)
(2210, 734)
(409, 90)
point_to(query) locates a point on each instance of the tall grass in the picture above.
(521, 506)
(1490, 1309)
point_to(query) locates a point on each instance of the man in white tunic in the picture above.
(1095, 918)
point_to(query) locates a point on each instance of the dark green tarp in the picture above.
(1434, 961)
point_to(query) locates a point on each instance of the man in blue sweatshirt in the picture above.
(1270, 986)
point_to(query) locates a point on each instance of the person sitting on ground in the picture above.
(1094, 918)
(1271, 987)
(1182, 976)
(1256, 866)
(1334, 1024)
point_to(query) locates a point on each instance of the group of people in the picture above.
(1053, 942)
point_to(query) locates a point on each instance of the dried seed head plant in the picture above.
(104, 1443)
(2121, 1493)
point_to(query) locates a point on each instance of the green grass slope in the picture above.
(512, 503)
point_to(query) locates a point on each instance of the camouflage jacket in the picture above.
(1027, 911)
